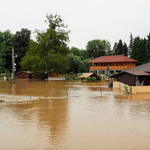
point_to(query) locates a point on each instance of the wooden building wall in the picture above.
(113, 65)
(130, 79)
(23, 75)
(126, 78)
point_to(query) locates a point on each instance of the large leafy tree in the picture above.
(79, 52)
(75, 51)
(75, 63)
(5, 51)
(107, 47)
(78, 60)
(86, 65)
(49, 53)
(95, 48)
(21, 45)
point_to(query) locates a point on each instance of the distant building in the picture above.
(116, 63)
(24, 75)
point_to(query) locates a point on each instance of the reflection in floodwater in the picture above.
(86, 119)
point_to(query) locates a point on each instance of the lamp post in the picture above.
(93, 63)
(13, 66)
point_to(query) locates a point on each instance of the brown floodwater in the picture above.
(64, 115)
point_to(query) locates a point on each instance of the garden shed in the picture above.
(133, 78)
(24, 75)
(87, 76)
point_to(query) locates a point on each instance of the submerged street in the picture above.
(64, 115)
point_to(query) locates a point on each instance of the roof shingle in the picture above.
(86, 75)
(144, 67)
(112, 58)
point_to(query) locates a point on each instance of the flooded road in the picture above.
(63, 115)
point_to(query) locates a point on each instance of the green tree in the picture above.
(135, 48)
(119, 48)
(95, 48)
(83, 54)
(5, 50)
(49, 53)
(107, 47)
(148, 48)
(75, 51)
(80, 52)
(2, 57)
(75, 63)
(139, 50)
(115, 48)
(130, 44)
(86, 65)
(125, 49)
(21, 45)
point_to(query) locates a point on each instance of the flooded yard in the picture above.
(64, 115)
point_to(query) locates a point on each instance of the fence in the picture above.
(131, 89)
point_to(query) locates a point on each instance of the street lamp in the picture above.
(13, 66)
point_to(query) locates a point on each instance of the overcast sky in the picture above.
(87, 19)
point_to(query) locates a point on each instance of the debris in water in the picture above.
(2, 101)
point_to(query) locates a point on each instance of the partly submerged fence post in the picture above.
(100, 90)
(131, 90)
(67, 93)
(30, 96)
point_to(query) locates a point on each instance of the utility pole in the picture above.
(13, 66)
(93, 63)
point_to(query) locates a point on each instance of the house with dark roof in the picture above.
(144, 68)
(116, 63)
(133, 78)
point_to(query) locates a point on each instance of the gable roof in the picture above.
(86, 75)
(136, 73)
(112, 58)
(144, 67)
(27, 72)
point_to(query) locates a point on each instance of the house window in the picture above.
(95, 71)
(102, 71)
(95, 64)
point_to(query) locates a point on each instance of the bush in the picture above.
(80, 74)
(99, 78)
(92, 78)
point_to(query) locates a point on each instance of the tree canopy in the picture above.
(120, 48)
(139, 50)
(5, 51)
(96, 48)
(49, 53)
(20, 42)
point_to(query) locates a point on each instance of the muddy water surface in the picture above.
(63, 115)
